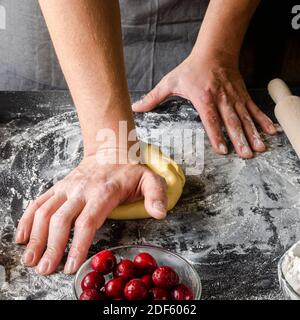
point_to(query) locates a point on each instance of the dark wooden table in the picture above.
(233, 222)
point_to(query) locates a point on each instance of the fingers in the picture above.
(152, 99)
(85, 229)
(25, 223)
(91, 218)
(211, 122)
(251, 132)
(39, 232)
(59, 231)
(262, 119)
(234, 128)
(154, 190)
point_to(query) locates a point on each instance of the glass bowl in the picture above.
(187, 273)
(288, 291)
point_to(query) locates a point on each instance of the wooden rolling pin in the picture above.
(287, 111)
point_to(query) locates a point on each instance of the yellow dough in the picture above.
(165, 167)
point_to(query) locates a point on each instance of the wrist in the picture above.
(118, 155)
(215, 56)
(99, 149)
(107, 127)
(121, 143)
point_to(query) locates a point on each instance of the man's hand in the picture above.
(218, 93)
(84, 198)
(211, 80)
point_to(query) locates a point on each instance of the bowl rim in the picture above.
(282, 278)
(198, 292)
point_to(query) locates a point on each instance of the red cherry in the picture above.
(92, 280)
(125, 269)
(165, 277)
(135, 290)
(147, 280)
(145, 263)
(182, 292)
(104, 262)
(91, 294)
(159, 294)
(114, 288)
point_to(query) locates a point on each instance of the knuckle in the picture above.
(206, 96)
(158, 181)
(258, 112)
(76, 251)
(42, 213)
(85, 223)
(233, 121)
(110, 187)
(35, 204)
(222, 94)
(80, 187)
(34, 241)
(263, 118)
(161, 181)
(210, 114)
(267, 121)
(254, 109)
(51, 251)
(59, 187)
(230, 87)
(58, 220)
(212, 119)
(104, 190)
(245, 118)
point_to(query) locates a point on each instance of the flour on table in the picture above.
(291, 267)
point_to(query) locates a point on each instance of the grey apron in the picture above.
(157, 36)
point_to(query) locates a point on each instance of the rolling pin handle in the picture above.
(278, 90)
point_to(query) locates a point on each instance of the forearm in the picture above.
(223, 29)
(87, 37)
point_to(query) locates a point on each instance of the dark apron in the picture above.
(157, 36)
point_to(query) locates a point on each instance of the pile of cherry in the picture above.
(140, 279)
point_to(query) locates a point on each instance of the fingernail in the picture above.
(19, 236)
(278, 127)
(272, 128)
(137, 103)
(258, 143)
(28, 257)
(70, 266)
(160, 207)
(222, 148)
(246, 151)
(43, 266)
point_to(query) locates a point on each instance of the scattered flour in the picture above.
(235, 213)
(291, 267)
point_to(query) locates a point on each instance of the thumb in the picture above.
(152, 99)
(154, 190)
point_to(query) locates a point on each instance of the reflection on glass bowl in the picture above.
(187, 273)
